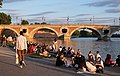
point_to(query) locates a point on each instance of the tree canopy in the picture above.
(1, 3)
(24, 22)
(5, 19)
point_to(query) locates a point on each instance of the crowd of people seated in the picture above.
(93, 64)
(69, 58)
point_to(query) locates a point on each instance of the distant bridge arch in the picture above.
(32, 33)
(9, 28)
(90, 28)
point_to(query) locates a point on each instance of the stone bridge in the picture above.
(63, 29)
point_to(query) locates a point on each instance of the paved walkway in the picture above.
(41, 67)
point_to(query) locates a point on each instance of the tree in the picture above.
(84, 33)
(24, 22)
(1, 3)
(5, 19)
(76, 33)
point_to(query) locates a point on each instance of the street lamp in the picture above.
(119, 21)
(114, 21)
(93, 20)
(68, 20)
(16, 20)
(90, 20)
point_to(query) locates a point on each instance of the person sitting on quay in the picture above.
(80, 61)
(61, 60)
(31, 48)
(99, 65)
(108, 61)
(91, 59)
(97, 55)
(10, 40)
(91, 54)
(45, 53)
(70, 58)
(59, 50)
(118, 60)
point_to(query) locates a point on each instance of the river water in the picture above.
(88, 44)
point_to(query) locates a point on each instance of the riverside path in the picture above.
(41, 67)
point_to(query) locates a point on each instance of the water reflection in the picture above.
(88, 44)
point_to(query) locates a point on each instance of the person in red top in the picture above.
(31, 48)
(108, 61)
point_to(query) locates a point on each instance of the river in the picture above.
(88, 44)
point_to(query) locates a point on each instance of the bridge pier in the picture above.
(0, 31)
(66, 37)
(106, 38)
(99, 38)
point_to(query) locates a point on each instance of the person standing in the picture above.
(21, 48)
(4, 41)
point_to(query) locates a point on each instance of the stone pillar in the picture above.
(0, 31)
(66, 37)
(106, 38)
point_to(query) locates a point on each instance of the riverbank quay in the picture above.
(41, 67)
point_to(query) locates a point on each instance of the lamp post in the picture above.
(114, 21)
(93, 20)
(90, 20)
(68, 20)
(119, 21)
(16, 20)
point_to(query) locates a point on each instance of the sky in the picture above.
(63, 11)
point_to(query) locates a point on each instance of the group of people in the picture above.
(67, 57)
(7, 40)
(94, 63)
(42, 48)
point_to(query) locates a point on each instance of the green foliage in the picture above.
(84, 33)
(94, 34)
(1, 3)
(36, 23)
(116, 35)
(43, 23)
(5, 19)
(24, 22)
(76, 33)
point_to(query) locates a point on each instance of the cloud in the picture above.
(81, 15)
(42, 13)
(110, 3)
(11, 1)
(8, 10)
(11, 12)
(113, 10)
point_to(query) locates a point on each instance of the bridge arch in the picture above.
(11, 30)
(36, 29)
(90, 28)
(113, 33)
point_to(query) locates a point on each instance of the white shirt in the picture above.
(9, 38)
(21, 43)
(97, 55)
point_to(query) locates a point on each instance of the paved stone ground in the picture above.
(41, 67)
